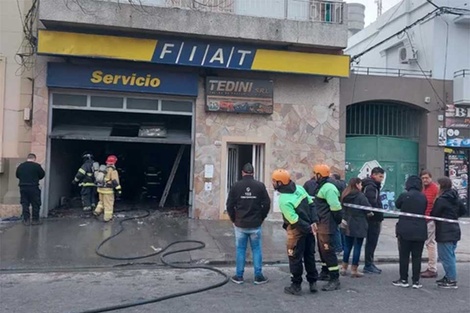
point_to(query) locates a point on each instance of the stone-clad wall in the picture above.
(303, 130)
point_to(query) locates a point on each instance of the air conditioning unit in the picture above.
(407, 55)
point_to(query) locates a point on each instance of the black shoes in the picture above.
(447, 283)
(26, 222)
(313, 287)
(401, 283)
(332, 285)
(36, 222)
(293, 289)
(237, 280)
(260, 280)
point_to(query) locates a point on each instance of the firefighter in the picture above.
(300, 220)
(85, 179)
(106, 189)
(329, 212)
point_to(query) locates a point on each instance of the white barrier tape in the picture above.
(440, 219)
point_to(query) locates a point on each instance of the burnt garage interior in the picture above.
(148, 147)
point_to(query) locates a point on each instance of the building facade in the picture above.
(16, 96)
(187, 92)
(406, 97)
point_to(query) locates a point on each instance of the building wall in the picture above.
(441, 43)
(15, 96)
(412, 91)
(303, 130)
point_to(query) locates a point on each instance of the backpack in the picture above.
(100, 175)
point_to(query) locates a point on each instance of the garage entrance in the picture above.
(150, 136)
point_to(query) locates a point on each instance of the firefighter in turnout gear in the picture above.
(85, 179)
(300, 220)
(329, 212)
(106, 187)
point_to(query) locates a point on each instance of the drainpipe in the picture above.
(3, 66)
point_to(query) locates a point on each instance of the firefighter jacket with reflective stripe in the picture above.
(297, 207)
(85, 175)
(328, 206)
(111, 181)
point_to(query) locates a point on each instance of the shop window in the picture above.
(106, 102)
(69, 100)
(177, 106)
(142, 104)
(240, 154)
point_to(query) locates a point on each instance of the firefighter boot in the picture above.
(332, 285)
(293, 289)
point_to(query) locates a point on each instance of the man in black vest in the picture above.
(29, 174)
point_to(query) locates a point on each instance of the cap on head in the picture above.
(112, 159)
(248, 168)
(282, 176)
(322, 170)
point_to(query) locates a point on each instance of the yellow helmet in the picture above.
(281, 175)
(322, 170)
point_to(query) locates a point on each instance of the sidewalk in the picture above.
(70, 242)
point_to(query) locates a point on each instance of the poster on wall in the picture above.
(442, 137)
(236, 95)
(456, 167)
(457, 127)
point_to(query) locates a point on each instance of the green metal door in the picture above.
(398, 157)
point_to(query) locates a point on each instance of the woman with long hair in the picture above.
(354, 224)
(447, 205)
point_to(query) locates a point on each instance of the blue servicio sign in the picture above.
(62, 75)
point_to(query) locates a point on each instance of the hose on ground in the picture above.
(164, 253)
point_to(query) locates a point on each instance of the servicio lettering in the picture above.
(126, 80)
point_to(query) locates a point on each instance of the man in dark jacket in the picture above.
(448, 205)
(29, 174)
(300, 218)
(411, 232)
(371, 187)
(86, 180)
(248, 205)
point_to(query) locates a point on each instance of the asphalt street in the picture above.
(78, 291)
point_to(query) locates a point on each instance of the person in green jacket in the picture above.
(300, 223)
(328, 206)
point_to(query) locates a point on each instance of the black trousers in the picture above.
(405, 248)
(88, 195)
(301, 252)
(30, 196)
(328, 254)
(373, 234)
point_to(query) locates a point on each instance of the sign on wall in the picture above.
(457, 130)
(63, 75)
(239, 95)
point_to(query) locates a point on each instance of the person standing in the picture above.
(371, 188)
(430, 191)
(339, 236)
(85, 179)
(106, 193)
(355, 225)
(300, 220)
(29, 174)
(329, 212)
(248, 206)
(411, 231)
(448, 205)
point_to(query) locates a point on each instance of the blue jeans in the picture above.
(338, 243)
(350, 243)
(446, 251)
(242, 235)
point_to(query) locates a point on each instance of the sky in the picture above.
(371, 8)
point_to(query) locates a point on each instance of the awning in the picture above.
(193, 52)
(103, 133)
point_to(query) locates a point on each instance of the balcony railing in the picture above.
(395, 72)
(462, 73)
(302, 10)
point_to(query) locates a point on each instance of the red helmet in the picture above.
(112, 159)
